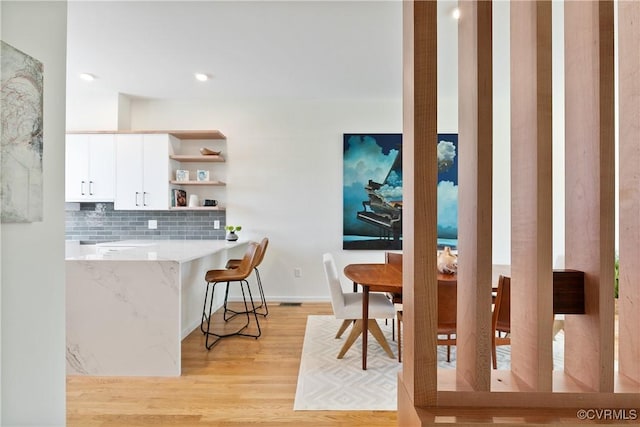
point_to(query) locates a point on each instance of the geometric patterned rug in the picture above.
(328, 383)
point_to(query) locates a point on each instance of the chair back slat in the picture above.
(333, 280)
(447, 306)
(501, 318)
(393, 258)
(248, 261)
(263, 249)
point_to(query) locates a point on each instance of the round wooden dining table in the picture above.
(384, 277)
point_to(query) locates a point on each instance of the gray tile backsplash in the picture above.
(98, 222)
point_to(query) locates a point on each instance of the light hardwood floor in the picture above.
(243, 381)
(239, 382)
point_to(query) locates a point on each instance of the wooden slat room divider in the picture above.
(475, 118)
(589, 379)
(629, 94)
(531, 195)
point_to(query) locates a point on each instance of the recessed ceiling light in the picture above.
(201, 77)
(87, 77)
(456, 13)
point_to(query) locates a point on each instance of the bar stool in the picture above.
(234, 263)
(240, 274)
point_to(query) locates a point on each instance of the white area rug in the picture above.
(328, 383)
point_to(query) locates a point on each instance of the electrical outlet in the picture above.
(297, 272)
(216, 224)
(153, 224)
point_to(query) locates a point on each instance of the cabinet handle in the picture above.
(137, 204)
(91, 188)
(82, 187)
(144, 198)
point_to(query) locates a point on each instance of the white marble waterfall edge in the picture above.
(122, 318)
(128, 311)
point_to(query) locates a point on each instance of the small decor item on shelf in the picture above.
(231, 235)
(447, 262)
(194, 201)
(182, 175)
(207, 152)
(210, 202)
(179, 198)
(202, 175)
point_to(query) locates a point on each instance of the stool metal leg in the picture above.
(247, 311)
(209, 333)
(227, 310)
(204, 309)
(263, 301)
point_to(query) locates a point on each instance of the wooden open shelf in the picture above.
(219, 183)
(196, 158)
(199, 208)
(197, 134)
(180, 134)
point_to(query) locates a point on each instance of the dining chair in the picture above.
(348, 308)
(558, 319)
(501, 317)
(228, 276)
(395, 258)
(447, 314)
(235, 263)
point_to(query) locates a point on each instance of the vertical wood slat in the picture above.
(419, 376)
(589, 171)
(475, 112)
(629, 90)
(531, 194)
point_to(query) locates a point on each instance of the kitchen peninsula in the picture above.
(129, 304)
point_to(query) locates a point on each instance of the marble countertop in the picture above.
(151, 250)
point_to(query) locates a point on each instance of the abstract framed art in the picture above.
(372, 191)
(21, 141)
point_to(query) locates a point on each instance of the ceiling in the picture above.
(251, 49)
(310, 49)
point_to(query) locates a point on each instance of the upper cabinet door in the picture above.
(102, 167)
(142, 177)
(90, 168)
(155, 171)
(129, 158)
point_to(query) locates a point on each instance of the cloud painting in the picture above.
(372, 191)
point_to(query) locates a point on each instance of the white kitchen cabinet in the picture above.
(142, 173)
(90, 168)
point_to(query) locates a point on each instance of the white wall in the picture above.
(284, 175)
(33, 319)
(97, 111)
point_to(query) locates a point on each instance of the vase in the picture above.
(232, 236)
(447, 262)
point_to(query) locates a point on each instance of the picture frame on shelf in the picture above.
(178, 198)
(182, 175)
(202, 175)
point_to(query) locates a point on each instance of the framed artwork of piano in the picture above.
(372, 191)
